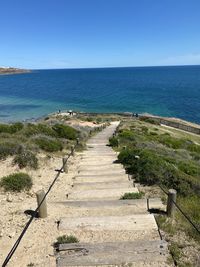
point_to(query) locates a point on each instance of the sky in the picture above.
(40, 34)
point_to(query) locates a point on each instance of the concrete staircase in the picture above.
(110, 231)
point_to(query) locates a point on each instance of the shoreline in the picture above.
(173, 122)
(11, 71)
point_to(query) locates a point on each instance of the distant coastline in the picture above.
(11, 70)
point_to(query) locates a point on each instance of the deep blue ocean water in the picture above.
(166, 91)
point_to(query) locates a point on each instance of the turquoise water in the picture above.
(166, 91)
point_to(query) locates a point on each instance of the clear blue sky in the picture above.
(99, 33)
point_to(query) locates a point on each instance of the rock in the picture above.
(12, 234)
(9, 198)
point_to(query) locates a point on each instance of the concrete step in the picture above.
(98, 164)
(98, 176)
(112, 193)
(102, 172)
(110, 253)
(98, 153)
(130, 223)
(111, 228)
(100, 179)
(104, 185)
(110, 207)
(99, 159)
(113, 167)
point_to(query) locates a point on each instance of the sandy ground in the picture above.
(36, 246)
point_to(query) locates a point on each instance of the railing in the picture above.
(171, 204)
(41, 196)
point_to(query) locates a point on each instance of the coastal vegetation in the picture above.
(132, 196)
(16, 182)
(156, 156)
(66, 239)
(28, 144)
(25, 141)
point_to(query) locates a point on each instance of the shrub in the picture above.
(149, 168)
(189, 168)
(16, 182)
(113, 141)
(149, 120)
(99, 120)
(193, 148)
(9, 149)
(132, 195)
(171, 142)
(35, 129)
(144, 129)
(127, 134)
(26, 159)
(65, 131)
(195, 156)
(11, 128)
(49, 145)
(153, 133)
(64, 239)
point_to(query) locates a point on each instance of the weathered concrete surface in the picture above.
(105, 167)
(92, 179)
(111, 193)
(105, 224)
(110, 223)
(109, 207)
(152, 203)
(102, 172)
(104, 185)
(112, 253)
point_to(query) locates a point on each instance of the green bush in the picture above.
(65, 239)
(189, 168)
(171, 142)
(16, 182)
(195, 156)
(11, 128)
(153, 133)
(26, 159)
(99, 120)
(113, 141)
(150, 168)
(127, 156)
(49, 145)
(36, 129)
(65, 131)
(9, 149)
(144, 129)
(132, 195)
(193, 148)
(149, 120)
(127, 134)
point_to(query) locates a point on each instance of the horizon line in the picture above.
(112, 67)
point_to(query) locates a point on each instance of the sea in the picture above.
(165, 91)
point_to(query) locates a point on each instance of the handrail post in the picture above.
(72, 151)
(65, 167)
(170, 202)
(43, 208)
